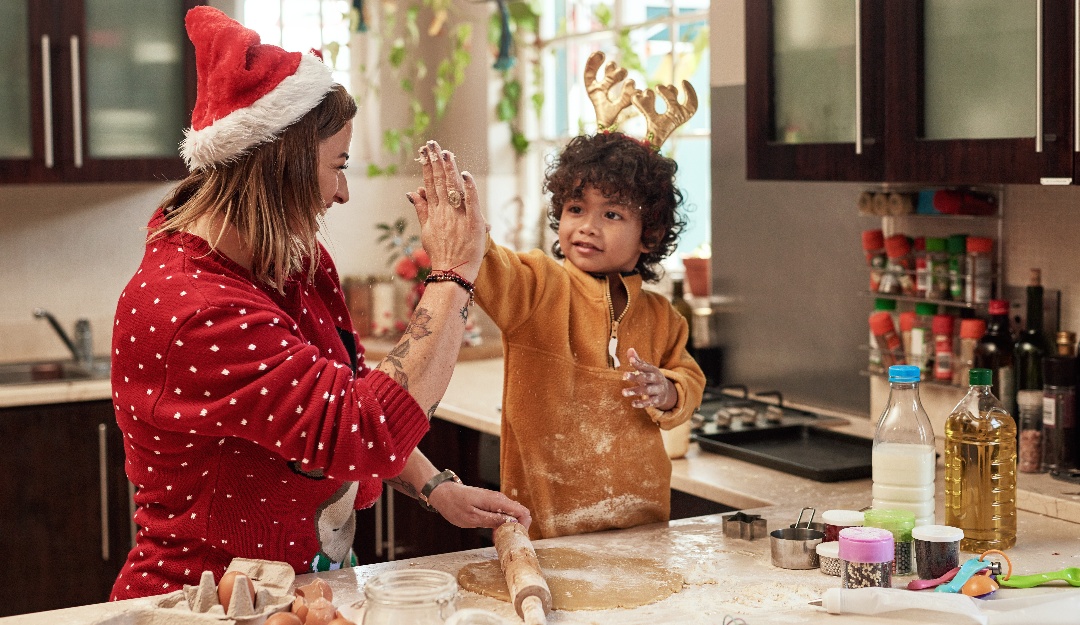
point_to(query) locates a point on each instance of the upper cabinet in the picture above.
(931, 91)
(95, 90)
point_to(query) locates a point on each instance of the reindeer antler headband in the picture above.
(659, 126)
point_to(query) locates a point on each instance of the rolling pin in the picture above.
(528, 590)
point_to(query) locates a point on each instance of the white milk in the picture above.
(903, 476)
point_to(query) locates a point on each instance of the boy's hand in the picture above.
(651, 388)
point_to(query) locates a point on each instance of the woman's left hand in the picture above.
(651, 388)
(469, 506)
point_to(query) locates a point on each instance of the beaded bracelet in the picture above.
(449, 275)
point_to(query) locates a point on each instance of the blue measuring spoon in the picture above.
(971, 567)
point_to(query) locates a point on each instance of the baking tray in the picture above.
(811, 452)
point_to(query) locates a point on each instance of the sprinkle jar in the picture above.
(836, 520)
(937, 549)
(828, 555)
(866, 555)
(417, 597)
(899, 523)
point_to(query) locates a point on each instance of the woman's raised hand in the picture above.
(452, 224)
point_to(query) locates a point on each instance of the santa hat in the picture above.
(248, 92)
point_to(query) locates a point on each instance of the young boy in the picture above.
(583, 405)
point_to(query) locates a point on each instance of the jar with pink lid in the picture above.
(836, 520)
(866, 557)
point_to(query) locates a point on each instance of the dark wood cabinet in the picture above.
(903, 92)
(65, 521)
(97, 90)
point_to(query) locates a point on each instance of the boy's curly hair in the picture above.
(632, 174)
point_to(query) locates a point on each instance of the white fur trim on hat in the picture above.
(235, 133)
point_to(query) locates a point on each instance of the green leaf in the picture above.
(505, 110)
(538, 102)
(410, 23)
(602, 13)
(397, 53)
(512, 90)
(520, 143)
(373, 171)
(392, 140)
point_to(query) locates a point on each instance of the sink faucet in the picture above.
(82, 348)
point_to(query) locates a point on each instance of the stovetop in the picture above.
(731, 408)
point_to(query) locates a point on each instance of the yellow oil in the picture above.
(980, 478)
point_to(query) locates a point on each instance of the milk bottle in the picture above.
(903, 456)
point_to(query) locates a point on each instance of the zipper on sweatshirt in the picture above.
(613, 336)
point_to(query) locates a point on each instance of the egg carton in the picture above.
(200, 604)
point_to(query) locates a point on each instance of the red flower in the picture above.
(422, 259)
(406, 268)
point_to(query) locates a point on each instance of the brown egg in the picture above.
(225, 588)
(317, 588)
(320, 612)
(284, 618)
(341, 620)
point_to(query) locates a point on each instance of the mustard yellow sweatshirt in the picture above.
(573, 449)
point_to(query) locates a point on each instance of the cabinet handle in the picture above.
(76, 101)
(46, 99)
(1039, 76)
(858, 76)
(379, 524)
(391, 547)
(103, 474)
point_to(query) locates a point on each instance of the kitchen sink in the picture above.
(50, 371)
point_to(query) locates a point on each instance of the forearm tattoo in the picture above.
(404, 487)
(465, 313)
(418, 329)
(431, 411)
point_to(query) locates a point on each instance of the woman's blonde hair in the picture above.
(270, 194)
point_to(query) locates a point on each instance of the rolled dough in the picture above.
(582, 581)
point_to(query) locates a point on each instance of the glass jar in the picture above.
(866, 557)
(1059, 415)
(417, 597)
(1029, 452)
(899, 523)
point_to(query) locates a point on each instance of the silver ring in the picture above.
(454, 197)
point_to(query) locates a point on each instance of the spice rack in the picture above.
(938, 225)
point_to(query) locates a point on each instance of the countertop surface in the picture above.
(723, 576)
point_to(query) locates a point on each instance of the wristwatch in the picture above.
(439, 478)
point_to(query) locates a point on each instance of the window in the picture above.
(659, 42)
(304, 25)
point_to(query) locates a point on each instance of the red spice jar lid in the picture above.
(881, 323)
(907, 320)
(999, 306)
(972, 328)
(873, 240)
(897, 245)
(942, 324)
(982, 245)
(920, 244)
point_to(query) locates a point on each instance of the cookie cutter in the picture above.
(745, 526)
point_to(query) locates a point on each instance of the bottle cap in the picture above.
(942, 324)
(980, 245)
(938, 533)
(972, 328)
(842, 518)
(999, 307)
(873, 240)
(925, 309)
(956, 244)
(907, 320)
(980, 377)
(1035, 277)
(1059, 371)
(830, 549)
(897, 246)
(884, 304)
(881, 323)
(935, 244)
(1065, 342)
(866, 544)
(905, 374)
(899, 522)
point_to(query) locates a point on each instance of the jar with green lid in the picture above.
(937, 269)
(899, 523)
(417, 597)
(956, 247)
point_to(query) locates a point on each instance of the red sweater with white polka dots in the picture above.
(243, 421)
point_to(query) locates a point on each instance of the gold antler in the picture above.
(659, 127)
(607, 110)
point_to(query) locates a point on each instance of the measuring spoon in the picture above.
(923, 584)
(968, 569)
(1070, 574)
(979, 586)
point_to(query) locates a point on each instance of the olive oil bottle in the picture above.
(980, 468)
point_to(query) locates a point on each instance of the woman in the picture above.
(253, 426)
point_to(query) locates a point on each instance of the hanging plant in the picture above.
(402, 40)
(511, 22)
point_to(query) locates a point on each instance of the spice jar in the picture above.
(956, 246)
(889, 347)
(1059, 414)
(899, 523)
(873, 243)
(417, 597)
(828, 555)
(889, 306)
(971, 330)
(1066, 343)
(942, 326)
(937, 269)
(866, 555)
(937, 549)
(1029, 455)
(979, 270)
(836, 520)
(899, 278)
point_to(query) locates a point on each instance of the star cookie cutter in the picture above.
(745, 526)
